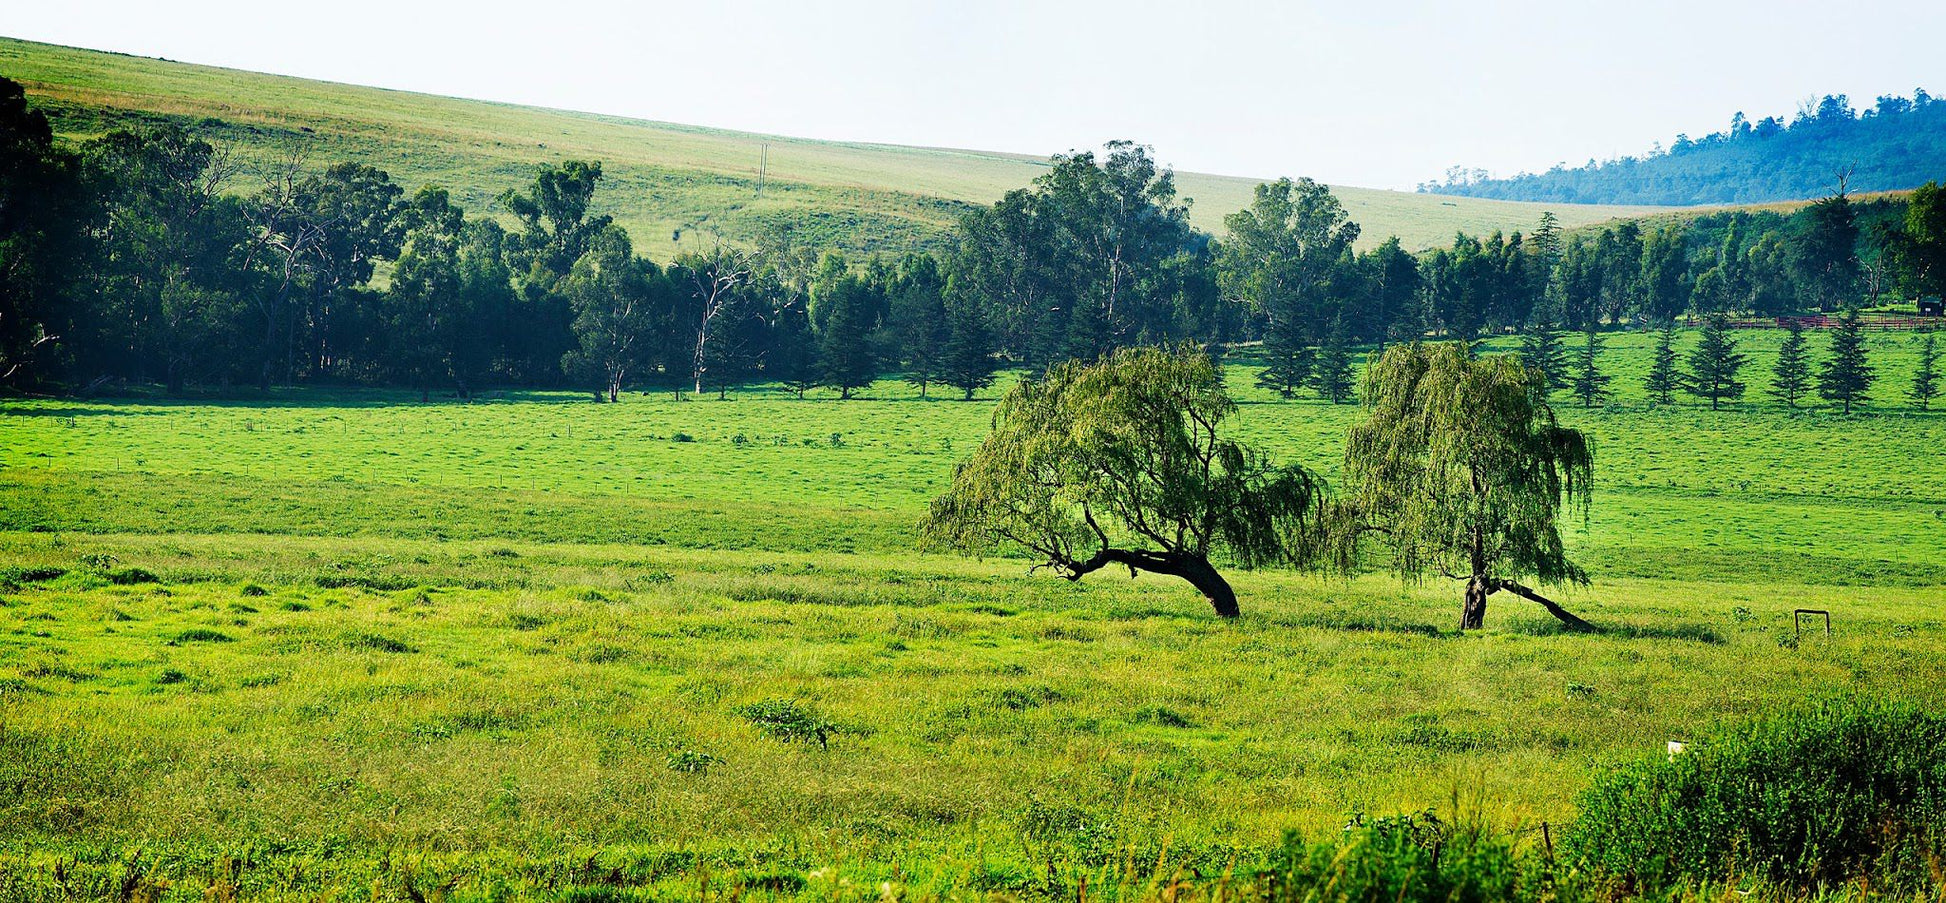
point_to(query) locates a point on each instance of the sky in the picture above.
(1373, 94)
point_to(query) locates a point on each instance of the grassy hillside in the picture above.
(506, 649)
(662, 177)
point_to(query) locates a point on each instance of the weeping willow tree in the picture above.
(1122, 462)
(1461, 470)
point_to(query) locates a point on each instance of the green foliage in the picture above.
(1588, 382)
(1540, 348)
(1122, 462)
(1894, 144)
(1409, 857)
(788, 721)
(1663, 378)
(1791, 376)
(1808, 798)
(1846, 378)
(1332, 377)
(1461, 468)
(1925, 377)
(1714, 364)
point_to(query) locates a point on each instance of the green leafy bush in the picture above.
(1806, 798)
(782, 719)
(1408, 857)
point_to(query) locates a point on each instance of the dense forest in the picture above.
(1898, 143)
(150, 256)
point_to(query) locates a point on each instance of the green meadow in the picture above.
(344, 645)
(662, 179)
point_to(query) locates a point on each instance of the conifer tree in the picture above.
(1847, 376)
(1663, 380)
(1590, 384)
(1714, 364)
(1287, 356)
(1791, 378)
(967, 363)
(1925, 380)
(1333, 378)
(1541, 348)
(846, 360)
(793, 356)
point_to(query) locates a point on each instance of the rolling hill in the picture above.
(667, 183)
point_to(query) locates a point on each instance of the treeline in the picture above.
(130, 258)
(1898, 143)
(1831, 255)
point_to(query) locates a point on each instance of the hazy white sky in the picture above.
(1358, 93)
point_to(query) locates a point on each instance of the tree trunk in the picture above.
(1566, 617)
(1211, 584)
(1189, 566)
(1473, 611)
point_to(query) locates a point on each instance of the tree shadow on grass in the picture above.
(1690, 632)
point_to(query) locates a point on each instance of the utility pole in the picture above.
(763, 166)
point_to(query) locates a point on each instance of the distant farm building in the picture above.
(1932, 307)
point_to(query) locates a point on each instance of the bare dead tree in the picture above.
(715, 278)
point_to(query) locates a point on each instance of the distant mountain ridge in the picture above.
(1898, 143)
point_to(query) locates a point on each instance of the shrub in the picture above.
(782, 719)
(689, 761)
(1806, 798)
(1401, 858)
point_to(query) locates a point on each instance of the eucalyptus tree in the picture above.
(1280, 260)
(45, 224)
(1462, 471)
(1124, 462)
(612, 293)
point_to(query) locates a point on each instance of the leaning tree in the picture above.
(1462, 471)
(1122, 462)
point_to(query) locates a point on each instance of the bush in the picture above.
(1402, 858)
(782, 719)
(1807, 798)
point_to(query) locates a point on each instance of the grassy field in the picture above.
(662, 177)
(512, 648)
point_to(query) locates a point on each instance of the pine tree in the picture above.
(1925, 380)
(793, 357)
(1287, 357)
(1663, 380)
(1333, 377)
(1590, 384)
(1541, 348)
(967, 363)
(1847, 375)
(846, 360)
(1791, 378)
(1714, 364)
(919, 321)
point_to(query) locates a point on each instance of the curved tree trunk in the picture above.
(1566, 617)
(1189, 566)
(1473, 611)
